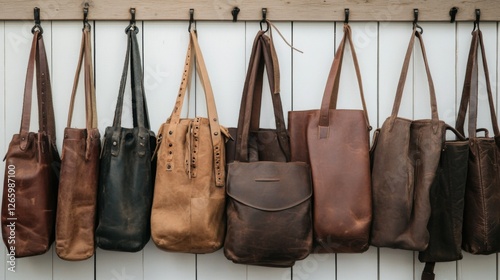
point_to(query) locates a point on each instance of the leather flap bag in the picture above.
(481, 228)
(269, 219)
(77, 198)
(188, 212)
(126, 177)
(32, 168)
(405, 160)
(330, 140)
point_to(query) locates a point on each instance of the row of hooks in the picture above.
(132, 26)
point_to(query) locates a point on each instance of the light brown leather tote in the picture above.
(189, 197)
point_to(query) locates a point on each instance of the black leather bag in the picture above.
(126, 171)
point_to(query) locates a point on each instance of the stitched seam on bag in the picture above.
(481, 189)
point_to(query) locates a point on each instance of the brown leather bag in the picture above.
(481, 228)
(336, 144)
(405, 160)
(76, 205)
(269, 220)
(32, 168)
(189, 197)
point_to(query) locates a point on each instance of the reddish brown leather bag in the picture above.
(405, 159)
(481, 228)
(336, 144)
(76, 206)
(32, 168)
(189, 197)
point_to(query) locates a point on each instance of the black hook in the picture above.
(346, 12)
(235, 13)
(478, 17)
(453, 14)
(36, 14)
(191, 18)
(85, 16)
(415, 21)
(264, 20)
(132, 25)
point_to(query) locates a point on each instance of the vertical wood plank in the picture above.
(110, 47)
(4, 139)
(225, 65)
(165, 46)
(393, 42)
(66, 38)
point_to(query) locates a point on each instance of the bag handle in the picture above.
(330, 95)
(263, 55)
(215, 129)
(139, 106)
(470, 90)
(402, 80)
(46, 120)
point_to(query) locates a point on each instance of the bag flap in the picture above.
(269, 186)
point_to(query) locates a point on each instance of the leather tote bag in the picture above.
(405, 159)
(269, 219)
(447, 205)
(264, 144)
(189, 203)
(481, 228)
(336, 144)
(32, 168)
(126, 177)
(77, 198)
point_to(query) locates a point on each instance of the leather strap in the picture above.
(330, 95)
(263, 55)
(46, 120)
(402, 80)
(215, 129)
(428, 273)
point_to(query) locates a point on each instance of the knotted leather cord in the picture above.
(330, 95)
(402, 80)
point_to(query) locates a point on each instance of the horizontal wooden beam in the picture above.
(279, 10)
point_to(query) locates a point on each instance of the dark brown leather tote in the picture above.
(481, 229)
(405, 160)
(336, 144)
(447, 205)
(269, 221)
(189, 202)
(32, 168)
(126, 173)
(76, 205)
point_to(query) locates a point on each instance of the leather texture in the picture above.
(127, 172)
(269, 216)
(336, 144)
(405, 160)
(188, 212)
(77, 197)
(481, 228)
(32, 168)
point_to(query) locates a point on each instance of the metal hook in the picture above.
(132, 25)
(346, 12)
(453, 14)
(38, 26)
(235, 13)
(476, 22)
(415, 21)
(191, 19)
(264, 20)
(85, 16)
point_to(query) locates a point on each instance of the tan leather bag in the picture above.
(189, 197)
(76, 205)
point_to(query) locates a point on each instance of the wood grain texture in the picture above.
(286, 10)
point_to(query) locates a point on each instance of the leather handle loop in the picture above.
(330, 95)
(402, 81)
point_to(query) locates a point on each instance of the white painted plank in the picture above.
(315, 267)
(17, 47)
(119, 265)
(4, 139)
(226, 269)
(393, 43)
(477, 267)
(161, 265)
(165, 46)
